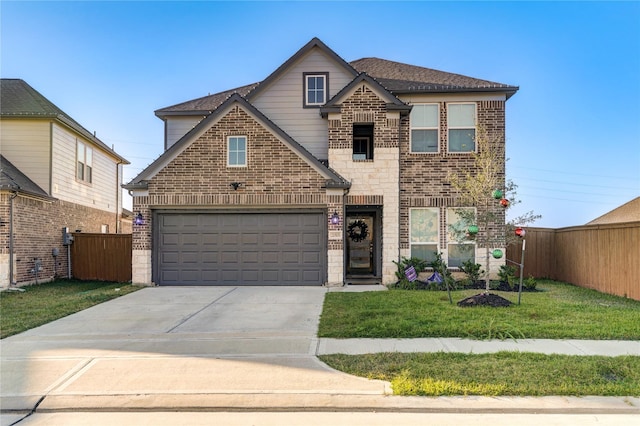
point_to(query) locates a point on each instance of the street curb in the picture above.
(339, 402)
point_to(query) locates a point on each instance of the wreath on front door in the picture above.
(358, 231)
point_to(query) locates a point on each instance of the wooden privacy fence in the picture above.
(101, 257)
(601, 257)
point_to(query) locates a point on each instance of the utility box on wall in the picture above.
(67, 238)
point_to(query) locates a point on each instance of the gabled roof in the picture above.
(404, 78)
(334, 180)
(205, 105)
(395, 77)
(313, 43)
(19, 100)
(628, 212)
(393, 103)
(12, 179)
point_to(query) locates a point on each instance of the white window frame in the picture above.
(418, 243)
(230, 151)
(474, 127)
(451, 240)
(325, 79)
(84, 162)
(436, 128)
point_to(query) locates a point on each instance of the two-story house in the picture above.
(55, 174)
(325, 172)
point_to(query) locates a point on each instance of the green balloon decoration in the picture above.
(497, 194)
(473, 229)
(497, 253)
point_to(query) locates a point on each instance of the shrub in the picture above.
(472, 270)
(530, 283)
(507, 274)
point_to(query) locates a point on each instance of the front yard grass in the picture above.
(496, 374)
(556, 311)
(43, 303)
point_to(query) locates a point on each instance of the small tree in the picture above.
(478, 188)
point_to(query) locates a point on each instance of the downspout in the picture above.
(118, 194)
(11, 272)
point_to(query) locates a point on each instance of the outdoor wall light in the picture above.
(139, 220)
(235, 185)
(335, 218)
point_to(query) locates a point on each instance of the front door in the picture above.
(361, 244)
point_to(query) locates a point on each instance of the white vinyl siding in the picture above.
(177, 127)
(26, 144)
(101, 194)
(281, 101)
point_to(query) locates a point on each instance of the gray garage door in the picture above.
(240, 249)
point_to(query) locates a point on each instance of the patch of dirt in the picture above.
(485, 299)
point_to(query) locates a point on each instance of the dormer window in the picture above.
(315, 89)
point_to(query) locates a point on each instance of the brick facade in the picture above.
(198, 178)
(37, 230)
(423, 177)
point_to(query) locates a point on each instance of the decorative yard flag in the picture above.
(435, 277)
(410, 273)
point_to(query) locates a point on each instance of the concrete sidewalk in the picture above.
(235, 349)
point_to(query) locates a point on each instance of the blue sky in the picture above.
(573, 129)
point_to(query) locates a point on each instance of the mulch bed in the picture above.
(485, 299)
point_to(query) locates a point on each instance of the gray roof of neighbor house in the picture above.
(396, 77)
(628, 212)
(19, 100)
(12, 179)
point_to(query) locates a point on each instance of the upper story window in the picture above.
(237, 151)
(315, 89)
(424, 128)
(362, 142)
(461, 123)
(84, 162)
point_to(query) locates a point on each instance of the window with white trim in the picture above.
(315, 89)
(458, 221)
(424, 128)
(461, 124)
(423, 233)
(84, 162)
(236, 151)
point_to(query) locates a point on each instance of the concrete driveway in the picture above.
(178, 347)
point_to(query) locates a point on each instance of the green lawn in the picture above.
(503, 373)
(43, 303)
(556, 311)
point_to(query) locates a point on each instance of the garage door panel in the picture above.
(240, 249)
(230, 257)
(270, 239)
(249, 257)
(170, 257)
(310, 257)
(170, 239)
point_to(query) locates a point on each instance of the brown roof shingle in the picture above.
(402, 78)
